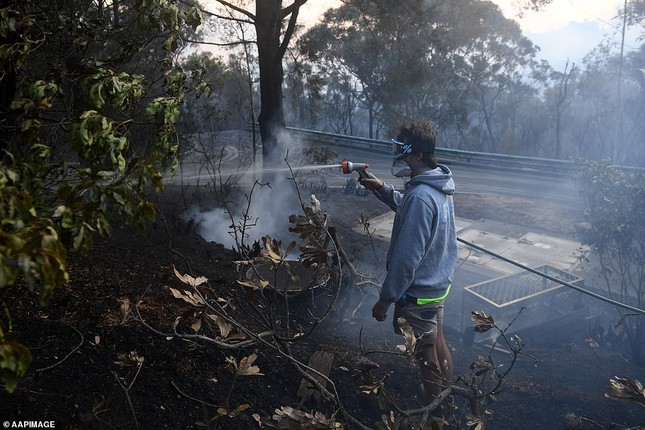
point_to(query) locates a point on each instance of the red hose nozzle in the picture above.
(348, 167)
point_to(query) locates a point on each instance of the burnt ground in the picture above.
(96, 366)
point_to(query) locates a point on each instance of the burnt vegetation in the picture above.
(118, 140)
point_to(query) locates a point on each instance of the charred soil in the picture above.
(96, 366)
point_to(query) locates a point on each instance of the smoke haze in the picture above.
(260, 207)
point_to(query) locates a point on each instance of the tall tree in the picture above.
(302, 93)
(561, 104)
(274, 26)
(495, 59)
(421, 58)
(372, 42)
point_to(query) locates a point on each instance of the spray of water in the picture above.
(305, 168)
(268, 213)
(250, 175)
(273, 198)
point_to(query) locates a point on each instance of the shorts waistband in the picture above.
(407, 299)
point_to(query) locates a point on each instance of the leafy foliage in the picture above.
(613, 226)
(90, 97)
(15, 359)
(417, 59)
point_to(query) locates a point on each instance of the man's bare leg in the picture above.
(444, 356)
(429, 371)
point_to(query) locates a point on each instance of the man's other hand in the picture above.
(379, 312)
(370, 182)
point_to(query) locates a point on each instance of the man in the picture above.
(423, 249)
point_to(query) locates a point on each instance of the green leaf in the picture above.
(79, 238)
(96, 95)
(14, 361)
(170, 44)
(194, 17)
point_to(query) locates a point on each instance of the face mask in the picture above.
(400, 169)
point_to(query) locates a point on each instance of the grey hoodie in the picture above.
(423, 246)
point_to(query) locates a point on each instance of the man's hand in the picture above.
(370, 182)
(379, 312)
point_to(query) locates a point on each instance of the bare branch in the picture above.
(294, 8)
(237, 9)
(223, 345)
(239, 42)
(68, 355)
(193, 398)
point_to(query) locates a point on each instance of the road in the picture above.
(480, 180)
(469, 179)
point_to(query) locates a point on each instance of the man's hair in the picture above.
(422, 136)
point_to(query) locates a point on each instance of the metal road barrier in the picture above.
(452, 156)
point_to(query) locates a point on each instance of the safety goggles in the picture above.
(400, 149)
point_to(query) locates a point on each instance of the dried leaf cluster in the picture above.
(410, 346)
(200, 314)
(129, 359)
(482, 322)
(311, 228)
(288, 417)
(245, 367)
(626, 389)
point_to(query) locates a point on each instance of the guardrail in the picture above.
(451, 156)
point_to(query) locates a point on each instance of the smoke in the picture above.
(213, 225)
(266, 209)
(256, 212)
(261, 207)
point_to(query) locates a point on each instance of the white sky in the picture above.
(562, 12)
(565, 30)
(569, 29)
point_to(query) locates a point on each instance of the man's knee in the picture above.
(426, 355)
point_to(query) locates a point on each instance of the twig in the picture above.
(3, 386)
(309, 373)
(374, 351)
(68, 355)
(341, 251)
(365, 222)
(220, 344)
(192, 398)
(32, 348)
(432, 405)
(592, 422)
(96, 417)
(126, 390)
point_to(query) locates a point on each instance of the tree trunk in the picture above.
(8, 86)
(271, 119)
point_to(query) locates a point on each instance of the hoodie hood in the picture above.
(439, 178)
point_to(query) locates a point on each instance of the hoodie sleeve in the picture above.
(409, 249)
(388, 195)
